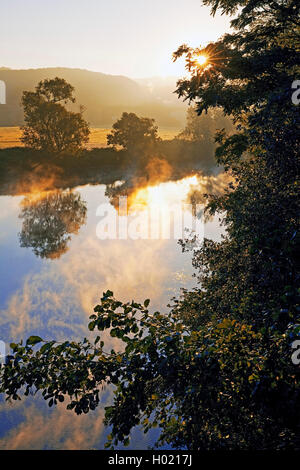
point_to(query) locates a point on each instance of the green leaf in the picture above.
(32, 340)
(45, 348)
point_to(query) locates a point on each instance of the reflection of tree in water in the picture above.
(119, 189)
(156, 171)
(49, 220)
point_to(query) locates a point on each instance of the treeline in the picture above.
(135, 151)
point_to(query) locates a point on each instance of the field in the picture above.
(10, 136)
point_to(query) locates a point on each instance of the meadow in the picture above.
(10, 136)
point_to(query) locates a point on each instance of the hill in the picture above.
(104, 96)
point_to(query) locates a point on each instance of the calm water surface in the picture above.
(53, 271)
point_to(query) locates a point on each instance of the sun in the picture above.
(201, 59)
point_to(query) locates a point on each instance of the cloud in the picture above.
(59, 298)
(55, 300)
(55, 428)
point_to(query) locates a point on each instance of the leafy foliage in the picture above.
(189, 383)
(133, 133)
(253, 273)
(49, 126)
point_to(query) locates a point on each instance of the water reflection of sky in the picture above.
(54, 297)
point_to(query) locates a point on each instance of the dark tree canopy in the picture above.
(133, 133)
(49, 125)
(55, 90)
(251, 68)
(216, 371)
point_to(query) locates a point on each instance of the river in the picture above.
(60, 250)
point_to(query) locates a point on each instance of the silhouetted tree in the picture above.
(49, 126)
(203, 128)
(133, 133)
(49, 220)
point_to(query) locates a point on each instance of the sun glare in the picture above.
(162, 194)
(201, 60)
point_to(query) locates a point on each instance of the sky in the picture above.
(135, 38)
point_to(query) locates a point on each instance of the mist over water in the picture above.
(74, 227)
(49, 239)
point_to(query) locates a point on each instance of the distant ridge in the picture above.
(104, 96)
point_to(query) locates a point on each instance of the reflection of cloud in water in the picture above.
(43, 304)
(8, 206)
(55, 300)
(55, 428)
(59, 299)
(36, 426)
(139, 269)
